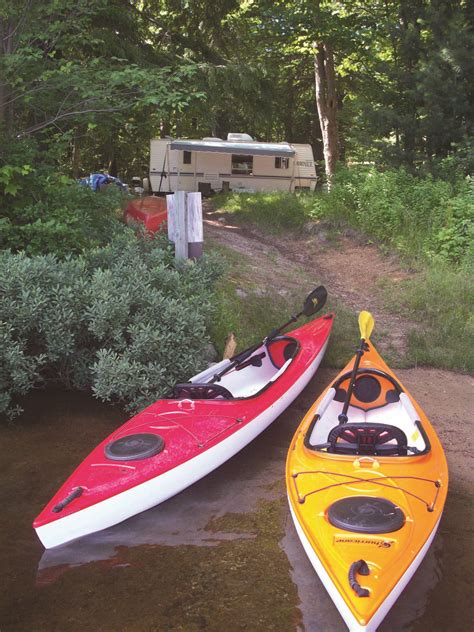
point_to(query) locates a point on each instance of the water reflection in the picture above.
(180, 521)
(141, 565)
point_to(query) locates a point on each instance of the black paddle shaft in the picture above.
(342, 418)
(243, 355)
(314, 303)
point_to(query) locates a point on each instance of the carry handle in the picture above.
(362, 568)
(65, 501)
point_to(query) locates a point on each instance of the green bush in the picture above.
(44, 212)
(66, 219)
(123, 320)
(423, 218)
(454, 241)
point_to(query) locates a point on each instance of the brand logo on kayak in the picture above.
(381, 543)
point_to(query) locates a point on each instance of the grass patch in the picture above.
(275, 212)
(424, 219)
(441, 301)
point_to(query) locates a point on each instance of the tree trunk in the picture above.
(7, 47)
(76, 153)
(288, 120)
(326, 101)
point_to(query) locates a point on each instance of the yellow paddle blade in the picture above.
(366, 324)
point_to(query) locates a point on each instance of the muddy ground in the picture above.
(223, 554)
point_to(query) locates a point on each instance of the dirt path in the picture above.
(351, 270)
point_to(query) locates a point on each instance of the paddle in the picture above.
(366, 326)
(313, 303)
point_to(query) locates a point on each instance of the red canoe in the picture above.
(175, 442)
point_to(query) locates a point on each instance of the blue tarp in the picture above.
(96, 180)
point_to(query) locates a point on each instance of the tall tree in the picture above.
(326, 100)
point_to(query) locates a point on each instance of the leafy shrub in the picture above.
(421, 217)
(44, 212)
(454, 241)
(123, 320)
(66, 219)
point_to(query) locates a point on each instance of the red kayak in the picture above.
(176, 441)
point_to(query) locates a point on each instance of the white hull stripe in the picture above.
(153, 492)
(344, 610)
(255, 176)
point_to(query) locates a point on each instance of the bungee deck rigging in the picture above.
(429, 506)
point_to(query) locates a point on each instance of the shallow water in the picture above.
(223, 554)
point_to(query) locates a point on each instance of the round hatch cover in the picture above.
(134, 447)
(365, 514)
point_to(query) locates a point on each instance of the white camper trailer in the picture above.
(236, 164)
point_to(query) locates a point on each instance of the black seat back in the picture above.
(195, 390)
(364, 438)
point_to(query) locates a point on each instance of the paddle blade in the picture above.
(315, 301)
(366, 325)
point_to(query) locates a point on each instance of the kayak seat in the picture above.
(254, 377)
(194, 390)
(366, 438)
(399, 414)
(281, 349)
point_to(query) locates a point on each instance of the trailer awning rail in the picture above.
(225, 147)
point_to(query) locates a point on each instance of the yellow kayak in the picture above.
(367, 480)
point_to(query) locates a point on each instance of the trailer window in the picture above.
(282, 163)
(186, 157)
(242, 164)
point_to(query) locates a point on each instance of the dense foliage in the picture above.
(424, 218)
(421, 217)
(121, 319)
(95, 79)
(62, 218)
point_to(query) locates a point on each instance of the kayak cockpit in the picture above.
(382, 420)
(246, 379)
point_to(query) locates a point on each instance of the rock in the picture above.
(317, 230)
(311, 227)
(210, 353)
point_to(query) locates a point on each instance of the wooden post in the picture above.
(171, 221)
(181, 228)
(194, 226)
(185, 224)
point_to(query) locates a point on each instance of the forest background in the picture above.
(382, 90)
